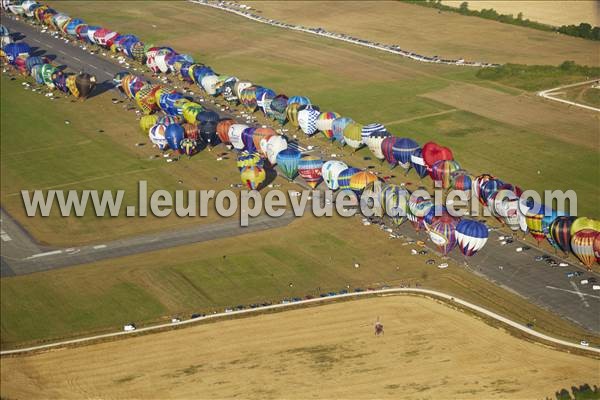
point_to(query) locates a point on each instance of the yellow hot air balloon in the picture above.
(584, 223)
(253, 176)
(360, 180)
(190, 110)
(147, 121)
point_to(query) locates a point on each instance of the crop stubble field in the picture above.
(429, 350)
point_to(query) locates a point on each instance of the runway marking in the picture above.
(585, 303)
(5, 237)
(75, 58)
(93, 66)
(581, 295)
(99, 246)
(48, 253)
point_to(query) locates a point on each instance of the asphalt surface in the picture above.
(519, 273)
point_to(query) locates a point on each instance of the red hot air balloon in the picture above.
(433, 152)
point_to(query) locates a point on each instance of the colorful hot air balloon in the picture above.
(337, 127)
(547, 220)
(253, 177)
(309, 168)
(248, 98)
(278, 108)
(248, 139)
(471, 236)
(433, 214)
(191, 132)
(462, 181)
(300, 100)
(188, 146)
(394, 200)
(345, 176)
(490, 187)
(443, 233)
(442, 171)
(534, 222)
(584, 223)
(287, 161)
(478, 183)
(360, 180)
(325, 123)
(246, 159)
(353, 135)
(260, 134)
(403, 148)
(560, 230)
(419, 204)
(190, 111)
(418, 164)
(264, 97)
(168, 120)
(292, 113)
(274, 145)
(146, 122)
(174, 135)
(330, 171)
(505, 204)
(582, 245)
(307, 120)
(433, 152)
(374, 142)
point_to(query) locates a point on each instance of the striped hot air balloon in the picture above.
(403, 148)
(442, 171)
(345, 176)
(418, 163)
(582, 245)
(287, 162)
(394, 201)
(371, 129)
(460, 180)
(309, 168)
(325, 123)
(471, 236)
(387, 148)
(191, 131)
(443, 233)
(560, 230)
(534, 222)
(478, 183)
(188, 146)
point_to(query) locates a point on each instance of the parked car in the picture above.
(129, 327)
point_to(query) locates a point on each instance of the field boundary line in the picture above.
(257, 310)
(435, 114)
(548, 94)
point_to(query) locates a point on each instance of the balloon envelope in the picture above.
(309, 168)
(287, 161)
(330, 171)
(471, 236)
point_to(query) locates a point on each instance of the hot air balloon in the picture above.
(228, 89)
(239, 86)
(370, 199)
(157, 136)
(188, 146)
(433, 214)
(248, 139)
(82, 85)
(353, 135)
(146, 122)
(292, 113)
(174, 135)
(582, 245)
(168, 120)
(278, 108)
(274, 145)
(505, 204)
(253, 177)
(248, 98)
(325, 123)
(307, 120)
(223, 129)
(191, 132)
(443, 233)
(478, 183)
(264, 97)
(560, 230)
(337, 126)
(300, 100)
(287, 161)
(235, 135)
(433, 152)
(471, 236)
(394, 200)
(246, 159)
(597, 248)
(209, 84)
(547, 220)
(190, 112)
(309, 168)
(360, 180)
(487, 189)
(419, 204)
(345, 176)
(534, 222)
(260, 134)
(374, 142)
(442, 171)
(418, 164)
(330, 171)
(461, 181)
(403, 148)
(387, 149)
(370, 129)
(207, 124)
(145, 99)
(584, 223)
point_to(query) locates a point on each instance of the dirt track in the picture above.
(428, 351)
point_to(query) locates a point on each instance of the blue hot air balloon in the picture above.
(301, 100)
(287, 162)
(248, 139)
(337, 126)
(417, 162)
(489, 188)
(403, 149)
(371, 129)
(471, 236)
(345, 176)
(174, 135)
(208, 121)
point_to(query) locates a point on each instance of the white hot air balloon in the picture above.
(273, 145)
(330, 172)
(235, 135)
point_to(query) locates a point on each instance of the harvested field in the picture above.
(417, 29)
(429, 350)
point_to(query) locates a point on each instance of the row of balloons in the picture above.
(204, 127)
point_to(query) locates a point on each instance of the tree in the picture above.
(464, 7)
(520, 16)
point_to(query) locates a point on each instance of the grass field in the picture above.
(417, 29)
(587, 95)
(429, 350)
(390, 89)
(562, 12)
(309, 256)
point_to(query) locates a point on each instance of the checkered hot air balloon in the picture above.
(307, 120)
(471, 236)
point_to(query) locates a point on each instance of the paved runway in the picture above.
(541, 284)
